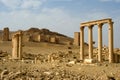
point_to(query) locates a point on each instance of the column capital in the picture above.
(82, 27)
(90, 26)
(110, 22)
(100, 25)
(110, 25)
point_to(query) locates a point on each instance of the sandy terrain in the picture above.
(65, 64)
(65, 67)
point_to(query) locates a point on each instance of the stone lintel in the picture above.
(96, 22)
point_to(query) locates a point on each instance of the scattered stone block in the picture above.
(89, 61)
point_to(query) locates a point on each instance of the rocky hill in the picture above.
(43, 31)
(34, 32)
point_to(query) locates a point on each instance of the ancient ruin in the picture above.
(41, 38)
(54, 40)
(6, 34)
(17, 45)
(90, 26)
(77, 38)
(52, 56)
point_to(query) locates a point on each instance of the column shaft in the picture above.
(90, 42)
(20, 45)
(82, 43)
(99, 42)
(111, 45)
(15, 47)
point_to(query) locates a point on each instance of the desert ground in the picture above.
(66, 65)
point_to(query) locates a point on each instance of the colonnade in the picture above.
(90, 26)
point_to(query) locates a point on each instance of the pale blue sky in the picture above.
(63, 16)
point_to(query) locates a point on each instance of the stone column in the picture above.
(100, 42)
(111, 45)
(90, 42)
(15, 46)
(20, 44)
(81, 43)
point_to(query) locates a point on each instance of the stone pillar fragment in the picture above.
(17, 45)
(82, 43)
(6, 34)
(77, 38)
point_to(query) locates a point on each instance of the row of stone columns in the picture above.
(90, 42)
(17, 45)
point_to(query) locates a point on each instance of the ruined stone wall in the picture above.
(41, 38)
(54, 40)
(77, 38)
(5, 34)
(38, 38)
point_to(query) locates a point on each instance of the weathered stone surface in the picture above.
(6, 34)
(17, 45)
(77, 38)
(54, 40)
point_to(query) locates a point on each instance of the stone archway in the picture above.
(90, 26)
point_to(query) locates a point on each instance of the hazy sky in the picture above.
(63, 16)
